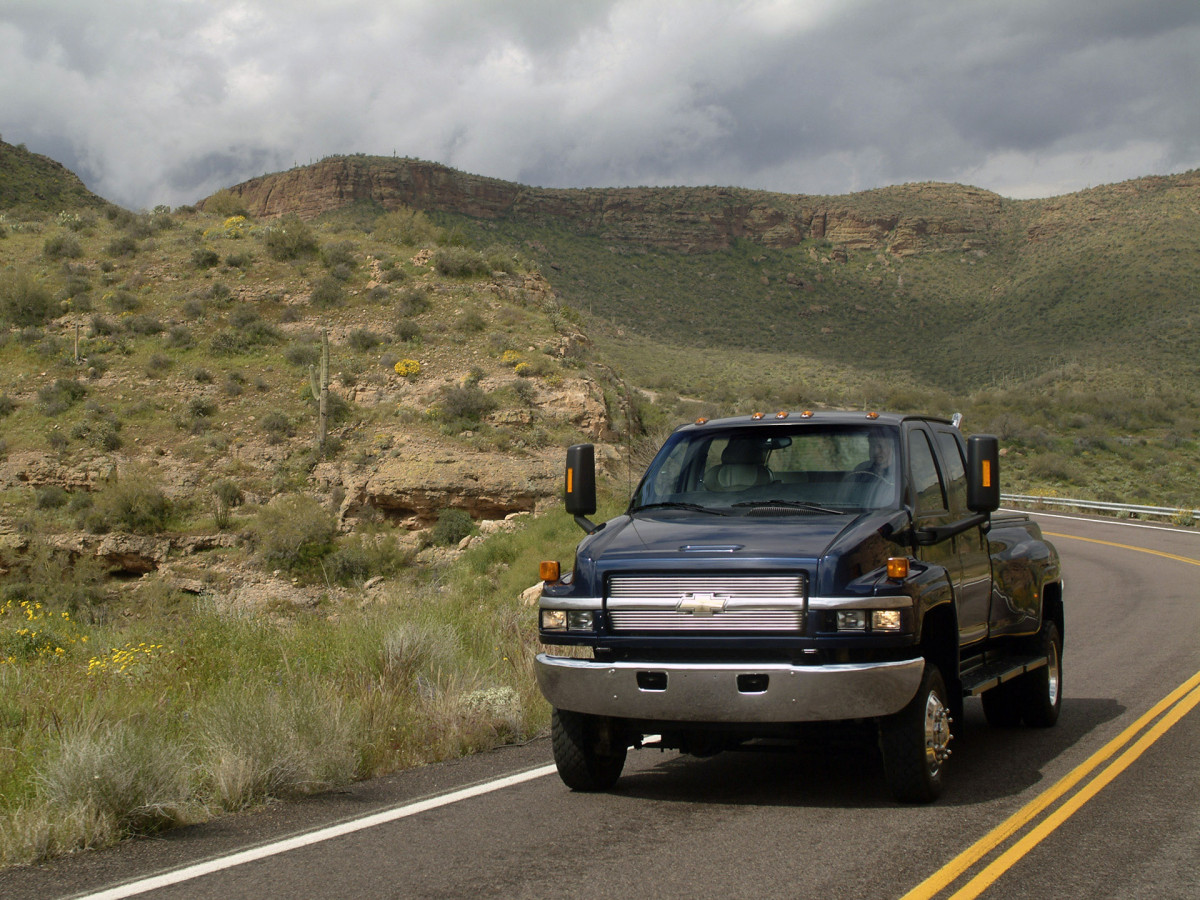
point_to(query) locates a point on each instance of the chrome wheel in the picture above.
(937, 733)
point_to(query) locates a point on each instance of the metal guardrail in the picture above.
(1101, 506)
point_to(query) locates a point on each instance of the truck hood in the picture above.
(666, 534)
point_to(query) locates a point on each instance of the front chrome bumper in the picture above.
(728, 692)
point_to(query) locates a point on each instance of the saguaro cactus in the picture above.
(319, 382)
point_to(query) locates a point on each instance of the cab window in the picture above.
(956, 469)
(926, 481)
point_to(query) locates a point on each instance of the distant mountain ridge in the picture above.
(901, 220)
(689, 219)
(955, 285)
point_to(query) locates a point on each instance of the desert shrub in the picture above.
(465, 405)
(327, 292)
(362, 556)
(239, 340)
(225, 203)
(460, 262)
(179, 338)
(303, 355)
(51, 577)
(7, 405)
(293, 532)
(102, 326)
(24, 301)
(50, 496)
(194, 307)
(128, 775)
(406, 330)
(158, 365)
(1056, 467)
(244, 316)
(62, 246)
(339, 254)
(55, 399)
(290, 239)
(240, 260)
(407, 226)
(407, 368)
(122, 245)
(122, 301)
(470, 322)
(205, 258)
(268, 740)
(132, 503)
(363, 340)
(201, 407)
(144, 325)
(226, 496)
(452, 526)
(228, 492)
(277, 426)
(413, 301)
(525, 392)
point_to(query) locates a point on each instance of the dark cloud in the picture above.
(153, 102)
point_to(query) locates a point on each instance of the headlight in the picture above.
(877, 621)
(852, 620)
(568, 620)
(885, 620)
(581, 620)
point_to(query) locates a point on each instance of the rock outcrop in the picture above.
(685, 219)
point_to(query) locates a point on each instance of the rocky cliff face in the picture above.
(686, 219)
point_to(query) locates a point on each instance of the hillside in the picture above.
(994, 287)
(176, 349)
(1066, 325)
(31, 183)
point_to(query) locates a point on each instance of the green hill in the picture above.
(32, 184)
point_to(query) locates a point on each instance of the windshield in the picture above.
(815, 468)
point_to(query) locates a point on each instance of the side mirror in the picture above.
(580, 495)
(983, 473)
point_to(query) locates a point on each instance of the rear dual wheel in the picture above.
(1035, 697)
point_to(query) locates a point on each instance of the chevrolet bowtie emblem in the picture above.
(702, 605)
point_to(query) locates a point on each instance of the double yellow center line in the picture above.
(1167, 712)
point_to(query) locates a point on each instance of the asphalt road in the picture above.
(1106, 804)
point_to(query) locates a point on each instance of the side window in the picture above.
(926, 481)
(956, 469)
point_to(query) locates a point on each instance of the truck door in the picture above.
(971, 546)
(932, 509)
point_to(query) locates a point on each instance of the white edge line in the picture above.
(1046, 515)
(188, 873)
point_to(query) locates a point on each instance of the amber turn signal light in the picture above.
(897, 568)
(549, 570)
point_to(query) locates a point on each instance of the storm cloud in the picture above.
(164, 102)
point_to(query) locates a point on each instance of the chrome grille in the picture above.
(685, 604)
(753, 587)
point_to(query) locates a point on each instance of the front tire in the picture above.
(587, 751)
(915, 742)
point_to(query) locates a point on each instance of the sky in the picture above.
(165, 101)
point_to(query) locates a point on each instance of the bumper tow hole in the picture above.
(652, 681)
(752, 684)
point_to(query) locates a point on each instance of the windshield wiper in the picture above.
(695, 507)
(790, 504)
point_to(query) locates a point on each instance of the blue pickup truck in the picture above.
(775, 572)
